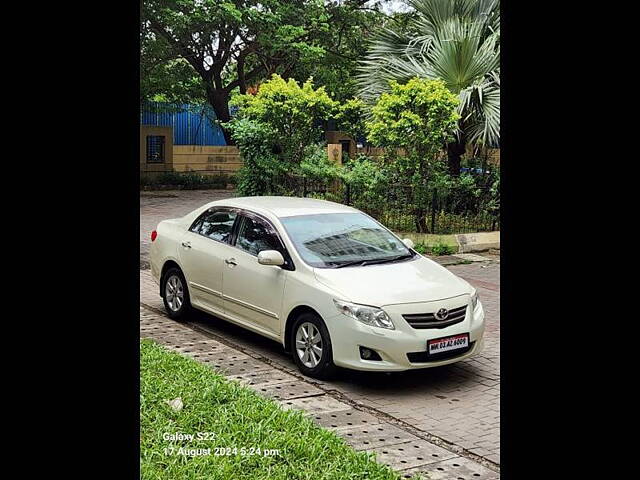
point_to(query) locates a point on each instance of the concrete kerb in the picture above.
(478, 242)
(461, 243)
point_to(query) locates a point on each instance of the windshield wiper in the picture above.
(374, 261)
(387, 260)
(349, 264)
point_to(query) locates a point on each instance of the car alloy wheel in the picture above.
(309, 345)
(174, 293)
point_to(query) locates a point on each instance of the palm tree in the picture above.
(457, 41)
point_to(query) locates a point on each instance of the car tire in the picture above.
(310, 361)
(176, 306)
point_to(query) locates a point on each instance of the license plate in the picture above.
(446, 344)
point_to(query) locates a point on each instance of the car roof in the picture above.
(285, 206)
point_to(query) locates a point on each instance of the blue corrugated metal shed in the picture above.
(192, 124)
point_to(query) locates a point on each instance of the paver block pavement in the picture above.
(448, 402)
(360, 429)
(344, 419)
(457, 468)
(320, 404)
(377, 435)
(262, 378)
(287, 391)
(411, 454)
(231, 362)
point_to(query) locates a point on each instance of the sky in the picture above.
(391, 6)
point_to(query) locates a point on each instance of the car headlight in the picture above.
(375, 317)
(474, 300)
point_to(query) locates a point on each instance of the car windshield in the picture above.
(342, 239)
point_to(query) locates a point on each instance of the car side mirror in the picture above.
(270, 257)
(408, 243)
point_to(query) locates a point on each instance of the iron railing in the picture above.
(401, 208)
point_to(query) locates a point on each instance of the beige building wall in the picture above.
(334, 152)
(167, 133)
(335, 137)
(206, 159)
(493, 155)
(226, 159)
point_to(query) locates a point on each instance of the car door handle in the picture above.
(230, 261)
(186, 244)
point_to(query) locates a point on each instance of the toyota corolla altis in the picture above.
(330, 283)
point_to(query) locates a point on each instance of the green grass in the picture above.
(239, 418)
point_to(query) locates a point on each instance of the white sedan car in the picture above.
(327, 281)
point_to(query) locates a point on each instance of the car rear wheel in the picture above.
(175, 294)
(311, 347)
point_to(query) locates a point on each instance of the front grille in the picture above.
(428, 320)
(424, 357)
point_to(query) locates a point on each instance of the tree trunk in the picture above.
(455, 150)
(242, 81)
(420, 218)
(219, 101)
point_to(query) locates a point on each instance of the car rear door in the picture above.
(253, 292)
(202, 252)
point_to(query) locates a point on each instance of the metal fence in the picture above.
(192, 124)
(399, 208)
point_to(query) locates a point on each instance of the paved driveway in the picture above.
(458, 403)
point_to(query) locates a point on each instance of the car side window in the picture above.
(215, 224)
(254, 236)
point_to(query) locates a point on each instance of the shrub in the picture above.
(439, 248)
(418, 117)
(421, 248)
(278, 134)
(259, 157)
(284, 114)
(350, 117)
(147, 180)
(187, 181)
(317, 166)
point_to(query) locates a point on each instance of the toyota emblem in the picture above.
(442, 314)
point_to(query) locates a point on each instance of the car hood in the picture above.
(418, 280)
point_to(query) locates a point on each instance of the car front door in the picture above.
(253, 292)
(202, 252)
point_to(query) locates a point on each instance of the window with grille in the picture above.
(155, 148)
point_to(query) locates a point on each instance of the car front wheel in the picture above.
(311, 347)
(175, 294)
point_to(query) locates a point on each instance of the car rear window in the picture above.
(215, 224)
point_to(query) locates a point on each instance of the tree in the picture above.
(276, 129)
(165, 78)
(457, 41)
(290, 111)
(231, 43)
(351, 24)
(418, 117)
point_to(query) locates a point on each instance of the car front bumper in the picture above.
(347, 335)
